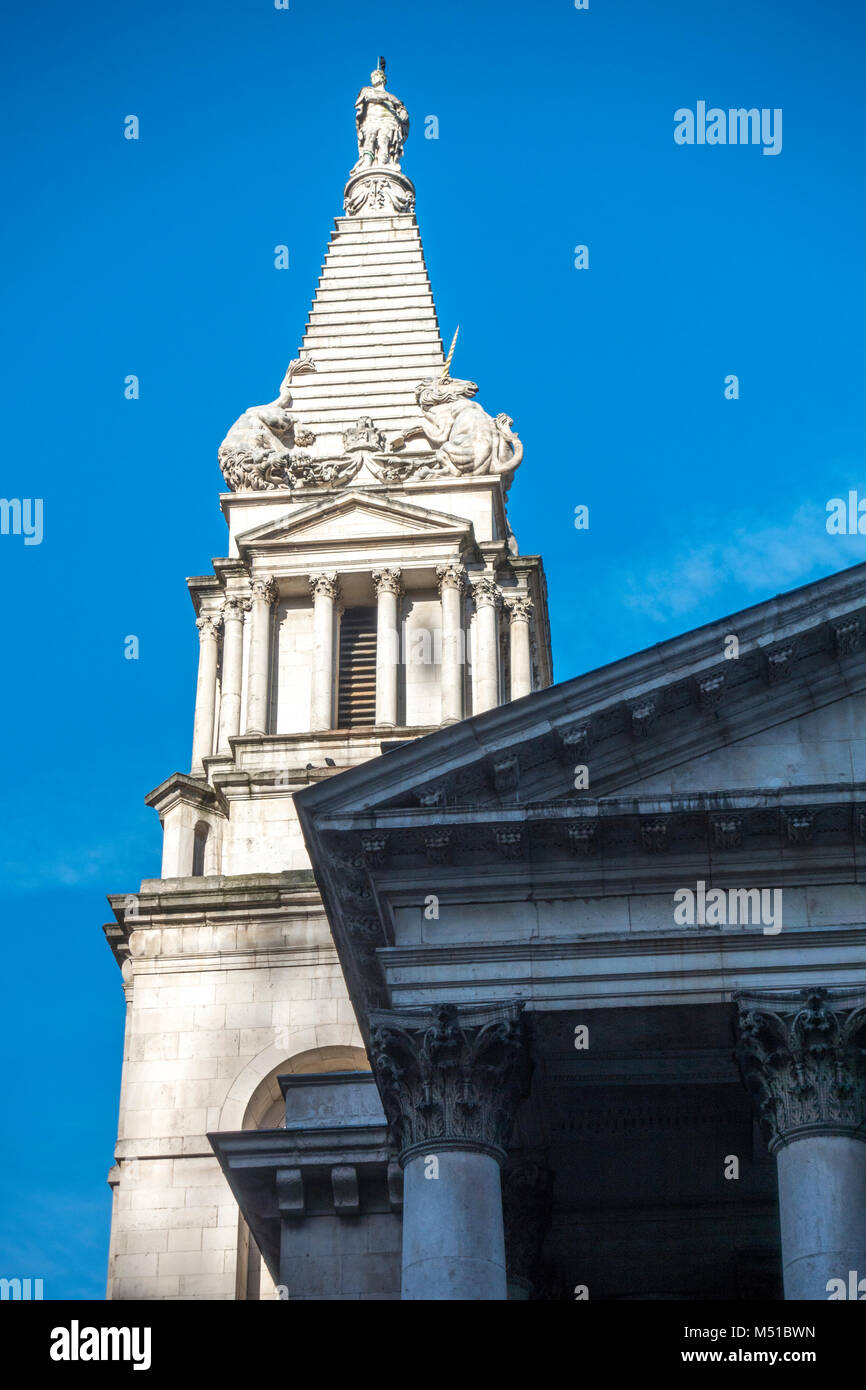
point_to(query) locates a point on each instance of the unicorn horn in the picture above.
(444, 376)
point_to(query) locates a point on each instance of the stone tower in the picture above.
(372, 592)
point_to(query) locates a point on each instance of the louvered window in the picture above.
(356, 702)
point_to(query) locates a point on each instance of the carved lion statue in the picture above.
(464, 438)
(255, 452)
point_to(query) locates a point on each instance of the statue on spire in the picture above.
(383, 124)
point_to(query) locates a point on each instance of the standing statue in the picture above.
(255, 452)
(383, 124)
(464, 438)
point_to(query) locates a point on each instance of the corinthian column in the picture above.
(388, 590)
(264, 594)
(452, 579)
(325, 590)
(521, 660)
(450, 1078)
(488, 600)
(803, 1057)
(233, 656)
(205, 691)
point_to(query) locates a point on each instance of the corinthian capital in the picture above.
(233, 608)
(208, 625)
(265, 588)
(485, 591)
(325, 584)
(519, 609)
(450, 1077)
(451, 577)
(387, 582)
(803, 1058)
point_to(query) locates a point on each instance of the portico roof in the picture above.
(486, 816)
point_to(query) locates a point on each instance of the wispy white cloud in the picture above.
(34, 871)
(742, 552)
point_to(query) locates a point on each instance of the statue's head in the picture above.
(438, 390)
(299, 366)
(377, 78)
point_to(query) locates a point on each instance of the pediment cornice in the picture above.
(643, 715)
(299, 525)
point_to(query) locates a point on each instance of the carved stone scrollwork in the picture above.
(265, 588)
(438, 846)
(387, 582)
(303, 471)
(803, 1058)
(485, 591)
(363, 929)
(506, 774)
(375, 849)
(654, 835)
(208, 626)
(364, 436)
(373, 192)
(572, 742)
(779, 662)
(644, 713)
(711, 691)
(727, 832)
(450, 1077)
(451, 577)
(847, 635)
(583, 836)
(234, 608)
(519, 609)
(510, 841)
(800, 827)
(356, 894)
(431, 796)
(327, 584)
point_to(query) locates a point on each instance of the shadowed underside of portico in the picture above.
(639, 1127)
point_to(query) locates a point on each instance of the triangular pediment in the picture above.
(354, 517)
(680, 720)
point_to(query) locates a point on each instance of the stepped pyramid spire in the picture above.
(371, 592)
(370, 398)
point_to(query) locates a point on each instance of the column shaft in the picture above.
(264, 593)
(453, 641)
(521, 656)
(822, 1211)
(233, 656)
(387, 586)
(205, 693)
(487, 601)
(453, 1237)
(325, 591)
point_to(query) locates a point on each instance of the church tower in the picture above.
(372, 592)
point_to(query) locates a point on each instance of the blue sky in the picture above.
(156, 258)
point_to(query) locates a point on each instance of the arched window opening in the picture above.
(199, 849)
